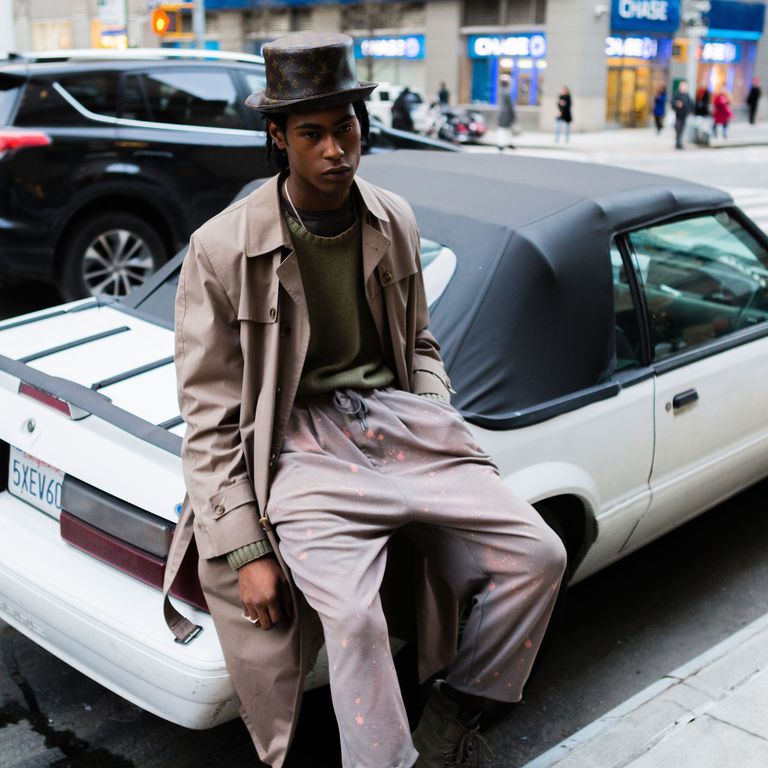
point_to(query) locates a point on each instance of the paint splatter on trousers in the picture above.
(355, 468)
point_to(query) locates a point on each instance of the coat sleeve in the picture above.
(429, 376)
(209, 370)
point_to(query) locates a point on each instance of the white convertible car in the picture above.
(606, 332)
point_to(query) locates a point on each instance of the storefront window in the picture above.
(637, 68)
(520, 57)
(726, 65)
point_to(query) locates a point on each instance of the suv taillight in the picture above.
(16, 138)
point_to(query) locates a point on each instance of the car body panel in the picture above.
(708, 450)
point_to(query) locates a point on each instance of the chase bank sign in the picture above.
(528, 45)
(661, 16)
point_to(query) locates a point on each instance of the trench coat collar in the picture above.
(266, 230)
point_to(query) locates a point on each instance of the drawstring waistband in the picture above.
(351, 403)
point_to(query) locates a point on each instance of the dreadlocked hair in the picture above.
(279, 157)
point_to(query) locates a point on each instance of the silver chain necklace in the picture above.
(295, 212)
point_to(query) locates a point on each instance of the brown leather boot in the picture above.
(446, 740)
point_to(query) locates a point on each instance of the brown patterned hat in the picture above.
(306, 70)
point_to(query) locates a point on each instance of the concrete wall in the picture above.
(443, 21)
(576, 58)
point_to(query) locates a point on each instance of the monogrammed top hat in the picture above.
(307, 70)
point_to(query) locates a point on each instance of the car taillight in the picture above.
(11, 138)
(126, 537)
(46, 398)
(461, 128)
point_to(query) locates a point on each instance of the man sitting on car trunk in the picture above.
(319, 425)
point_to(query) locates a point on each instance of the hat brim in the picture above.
(263, 103)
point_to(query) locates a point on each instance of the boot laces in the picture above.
(471, 747)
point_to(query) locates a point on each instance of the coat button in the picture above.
(387, 276)
(285, 329)
(272, 313)
(219, 510)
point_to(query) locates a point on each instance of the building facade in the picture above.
(614, 56)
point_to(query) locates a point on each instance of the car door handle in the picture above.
(685, 398)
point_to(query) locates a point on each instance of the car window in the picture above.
(703, 278)
(42, 105)
(96, 91)
(199, 97)
(10, 88)
(254, 82)
(627, 328)
(438, 263)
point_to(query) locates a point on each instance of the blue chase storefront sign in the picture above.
(653, 16)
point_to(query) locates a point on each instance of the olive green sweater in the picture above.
(344, 348)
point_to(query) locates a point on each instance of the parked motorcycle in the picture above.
(462, 126)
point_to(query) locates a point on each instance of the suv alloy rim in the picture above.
(116, 262)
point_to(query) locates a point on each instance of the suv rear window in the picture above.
(9, 92)
(96, 91)
(199, 97)
(42, 105)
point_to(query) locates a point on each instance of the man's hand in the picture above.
(264, 592)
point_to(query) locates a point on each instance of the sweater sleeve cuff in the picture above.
(433, 396)
(244, 555)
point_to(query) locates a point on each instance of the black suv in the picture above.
(109, 162)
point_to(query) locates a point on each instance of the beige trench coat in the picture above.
(242, 333)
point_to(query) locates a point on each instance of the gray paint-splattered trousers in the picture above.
(354, 469)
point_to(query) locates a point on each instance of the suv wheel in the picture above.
(109, 255)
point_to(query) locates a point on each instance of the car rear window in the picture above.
(195, 97)
(96, 91)
(42, 105)
(10, 87)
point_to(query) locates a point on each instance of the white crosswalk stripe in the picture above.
(754, 202)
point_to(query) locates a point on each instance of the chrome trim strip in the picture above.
(86, 113)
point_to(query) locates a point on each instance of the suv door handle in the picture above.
(685, 398)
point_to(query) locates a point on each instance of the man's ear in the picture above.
(277, 135)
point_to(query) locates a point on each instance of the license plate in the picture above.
(35, 482)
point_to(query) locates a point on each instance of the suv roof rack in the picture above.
(105, 54)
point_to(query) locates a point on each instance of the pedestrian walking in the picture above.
(401, 111)
(505, 117)
(443, 96)
(722, 113)
(753, 99)
(660, 108)
(564, 116)
(319, 424)
(681, 105)
(701, 102)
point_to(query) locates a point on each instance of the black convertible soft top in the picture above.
(527, 317)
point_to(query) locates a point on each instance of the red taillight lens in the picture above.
(19, 139)
(132, 560)
(461, 128)
(72, 411)
(44, 398)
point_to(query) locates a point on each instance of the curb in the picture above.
(582, 737)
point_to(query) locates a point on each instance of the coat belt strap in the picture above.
(183, 629)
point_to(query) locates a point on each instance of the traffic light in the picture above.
(161, 21)
(173, 21)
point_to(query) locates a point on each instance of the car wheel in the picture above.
(109, 255)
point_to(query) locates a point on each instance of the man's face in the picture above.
(323, 150)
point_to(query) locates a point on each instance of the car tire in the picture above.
(110, 254)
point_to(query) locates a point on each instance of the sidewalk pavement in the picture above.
(709, 713)
(633, 140)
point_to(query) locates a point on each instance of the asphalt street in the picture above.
(623, 628)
